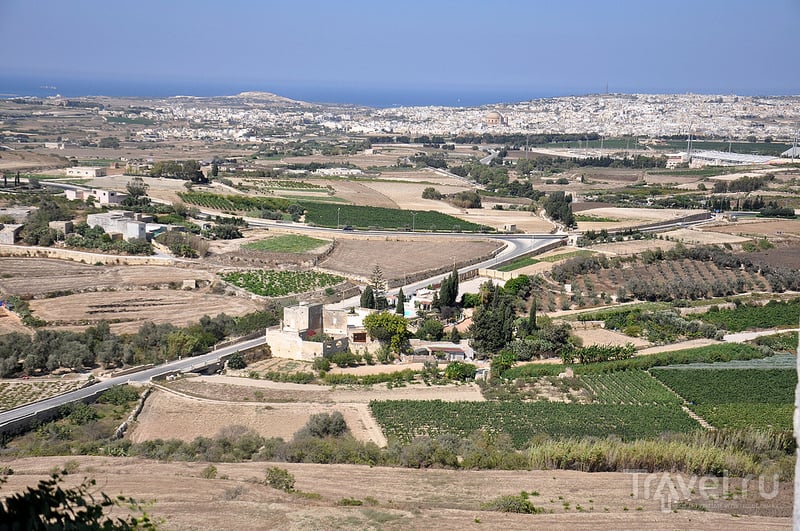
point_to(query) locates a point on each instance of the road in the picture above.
(141, 377)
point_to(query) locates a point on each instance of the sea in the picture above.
(380, 97)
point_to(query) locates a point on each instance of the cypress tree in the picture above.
(400, 309)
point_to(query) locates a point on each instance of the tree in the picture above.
(431, 193)
(455, 335)
(448, 291)
(388, 328)
(400, 309)
(367, 297)
(430, 330)
(109, 142)
(214, 169)
(236, 361)
(378, 284)
(458, 370)
(136, 187)
(501, 363)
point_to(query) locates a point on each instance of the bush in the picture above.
(119, 395)
(325, 425)
(512, 504)
(236, 361)
(280, 478)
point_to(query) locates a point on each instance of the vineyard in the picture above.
(233, 203)
(628, 387)
(746, 317)
(281, 283)
(331, 215)
(736, 398)
(406, 419)
(15, 394)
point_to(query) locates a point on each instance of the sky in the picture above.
(502, 47)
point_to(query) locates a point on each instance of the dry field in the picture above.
(780, 256)
(704, 237)
(205, 406)
(40, 276)
(126, 311)
(403, 498)
(10, 323)
(626, 217)
(601, 336)
(27, 161)
(402, 257)
(770, 228)
(14, 393)
(633, 247)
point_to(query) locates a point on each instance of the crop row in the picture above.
(229, 203)
(14, 394)
(745, 316)
(405, 419)
(331, 215)
(720, 386)
(628, 387)
(280, 283)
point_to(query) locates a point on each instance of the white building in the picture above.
(86, 171)
(119, 222)
(102, 197)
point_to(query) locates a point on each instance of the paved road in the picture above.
(741, 337)
(141, 376)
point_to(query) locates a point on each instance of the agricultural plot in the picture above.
(736, 398)
(747, 317)
(628, 387)
(331, 215)
(675, 279)
(289, 243)
(405, 419)
(18, 393)
(233, 203)
(281, 283)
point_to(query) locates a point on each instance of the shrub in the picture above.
(236, 361)
(512, 504)
(280, 478)
(209, 472)
(325, 425)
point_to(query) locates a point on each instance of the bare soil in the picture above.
(126, 311)
(396, 498)
(39, 276)
(203, 406)
(398, 257)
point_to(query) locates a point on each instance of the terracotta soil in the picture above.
(395, 498)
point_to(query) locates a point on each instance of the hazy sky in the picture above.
(545, 47)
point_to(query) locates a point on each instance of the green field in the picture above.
(365, 217)
(529, 260)
(406, 419)
(736, 398)
(747, 317)
(518, 264)
(290, 243)
(281, 283)
(628, 387)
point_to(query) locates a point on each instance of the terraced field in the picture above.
(20, 392)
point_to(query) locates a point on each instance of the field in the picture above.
(14, 393)
(628, 217)
(398, 257)
(524, 420)
(395, 498)
(203, 406)
(680, 278)
(628, 387)
(281, 283)
(774, 314)
(365, 217)
(42, 276)
(770, 228)
(290, 243)
(736, 398)
(127, 310)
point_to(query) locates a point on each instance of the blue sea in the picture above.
(356, 95)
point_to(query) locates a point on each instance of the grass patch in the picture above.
(518, 264)
(290, 243)
(594, 219)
